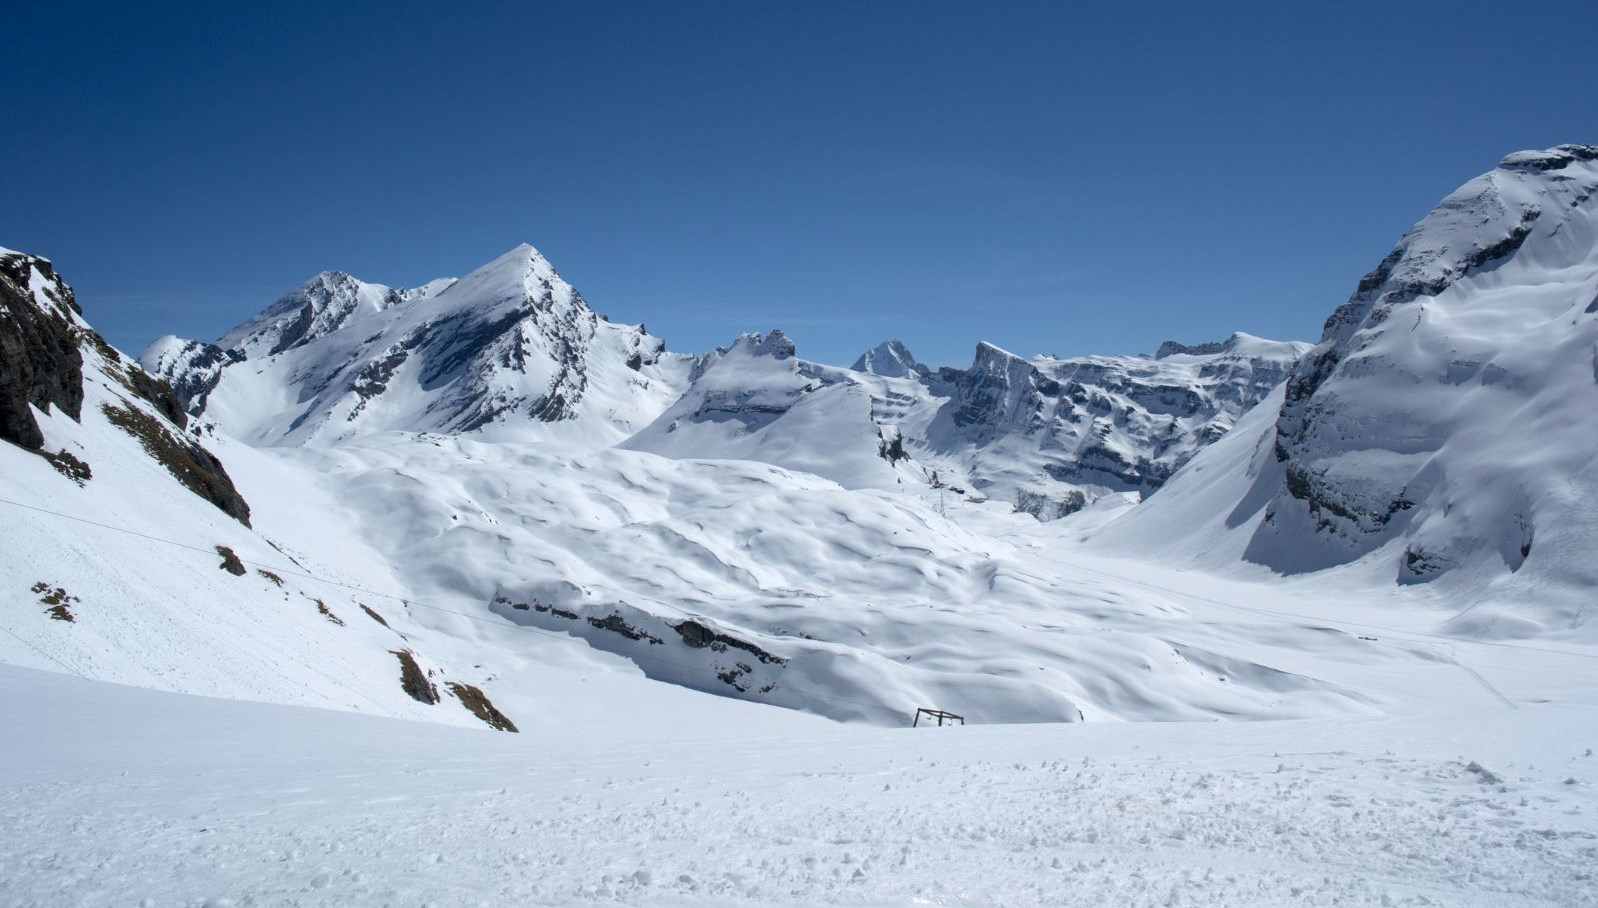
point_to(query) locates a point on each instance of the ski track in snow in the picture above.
(122, 796)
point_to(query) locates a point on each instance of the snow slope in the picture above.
(116, 795)
(131, 556)
(779, 587)
(1440, 434)
(510, 350)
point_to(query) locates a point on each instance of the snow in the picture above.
(709, 592)
(891, 358)
(510, 349)
(1440, 436)
(119, 795)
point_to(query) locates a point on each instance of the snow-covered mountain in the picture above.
(753, 524)
(756, 400)
(1053, 434)
(401, 571)
(890, 358)
(513, 352)
(509, 350)
(1045, 435)
(130, 555)
(1443, 429)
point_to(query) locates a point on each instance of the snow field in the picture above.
(877, 603)
(125, 796)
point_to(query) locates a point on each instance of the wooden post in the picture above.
(939, 714)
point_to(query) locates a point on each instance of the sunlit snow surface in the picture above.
(1437, 737)
(116, 795)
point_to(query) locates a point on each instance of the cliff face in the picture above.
(40, 363)
(48, 352)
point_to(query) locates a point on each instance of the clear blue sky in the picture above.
(1051, 177)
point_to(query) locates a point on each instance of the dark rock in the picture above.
(412, 679)
(698, 636)
(190, 464)
(614, 622)
(40, 361)
(230, 561)
(475, 700)
(69, 466)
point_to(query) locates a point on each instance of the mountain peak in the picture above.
(323, 304)
(775, 344)
(890, 358)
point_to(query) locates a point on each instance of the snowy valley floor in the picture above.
(121, 796)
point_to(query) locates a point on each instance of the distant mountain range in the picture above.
(367, 497)
(513, 352)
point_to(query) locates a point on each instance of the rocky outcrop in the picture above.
(41, 364)
(189, 463)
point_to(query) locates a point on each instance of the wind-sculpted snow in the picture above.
(510, 350)
(751, 581)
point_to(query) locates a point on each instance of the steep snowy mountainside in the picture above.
(890, 358)
(317, 308)
(1442, 431)
(52, 356)
(127, 551)
(510, 350)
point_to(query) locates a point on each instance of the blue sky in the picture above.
(1049, 177)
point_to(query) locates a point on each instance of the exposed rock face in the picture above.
(1038, 429)
(40, 362)
(194, 368)
(1462, 331)
(45, 350)
(189, 463)
(510, 349)
(1049, 434)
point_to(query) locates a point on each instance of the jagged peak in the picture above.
(775, 344)
(991, 355)
(890, 358)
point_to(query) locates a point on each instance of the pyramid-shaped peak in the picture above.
(890, 358)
